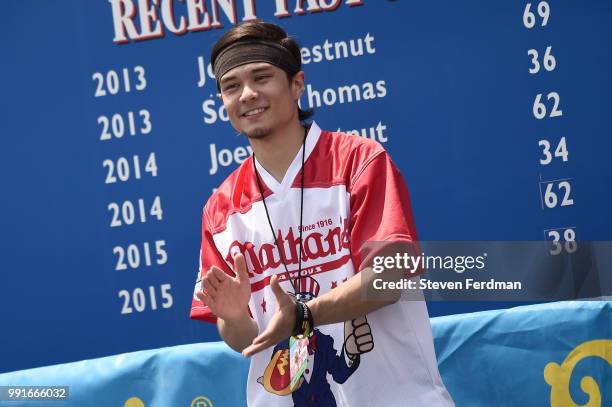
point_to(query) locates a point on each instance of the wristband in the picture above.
(303, 320)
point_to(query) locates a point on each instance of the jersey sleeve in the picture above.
(209, 256)
(380, 211)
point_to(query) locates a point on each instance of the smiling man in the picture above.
(284, 246)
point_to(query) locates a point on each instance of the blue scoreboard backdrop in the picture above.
(113, 137)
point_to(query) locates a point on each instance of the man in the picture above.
(284, 245)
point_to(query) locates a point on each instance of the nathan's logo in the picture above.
(316, 245)
(201, 401)
(559, 376)
(157, 16)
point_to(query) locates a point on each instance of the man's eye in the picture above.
(229, 87)
(262, 77)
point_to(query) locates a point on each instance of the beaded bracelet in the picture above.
(303, 320)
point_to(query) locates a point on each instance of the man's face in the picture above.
(260, 99)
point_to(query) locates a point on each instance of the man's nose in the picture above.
(248, 93)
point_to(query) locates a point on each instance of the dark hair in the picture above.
(259, 30)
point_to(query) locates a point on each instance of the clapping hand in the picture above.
(281, 324)
(226, 296)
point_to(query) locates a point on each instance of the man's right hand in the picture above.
(226, 296)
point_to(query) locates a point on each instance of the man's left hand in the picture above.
(281, 325)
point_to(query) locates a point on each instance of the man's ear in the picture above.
(297, 85)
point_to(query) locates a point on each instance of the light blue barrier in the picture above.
(166, 377)
(497, 358)
(491, 358)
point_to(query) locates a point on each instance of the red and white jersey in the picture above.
(353, 193)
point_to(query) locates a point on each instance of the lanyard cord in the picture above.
(295, 290)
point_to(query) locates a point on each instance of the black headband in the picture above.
(248, 51)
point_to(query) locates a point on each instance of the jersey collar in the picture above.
(280, 187)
